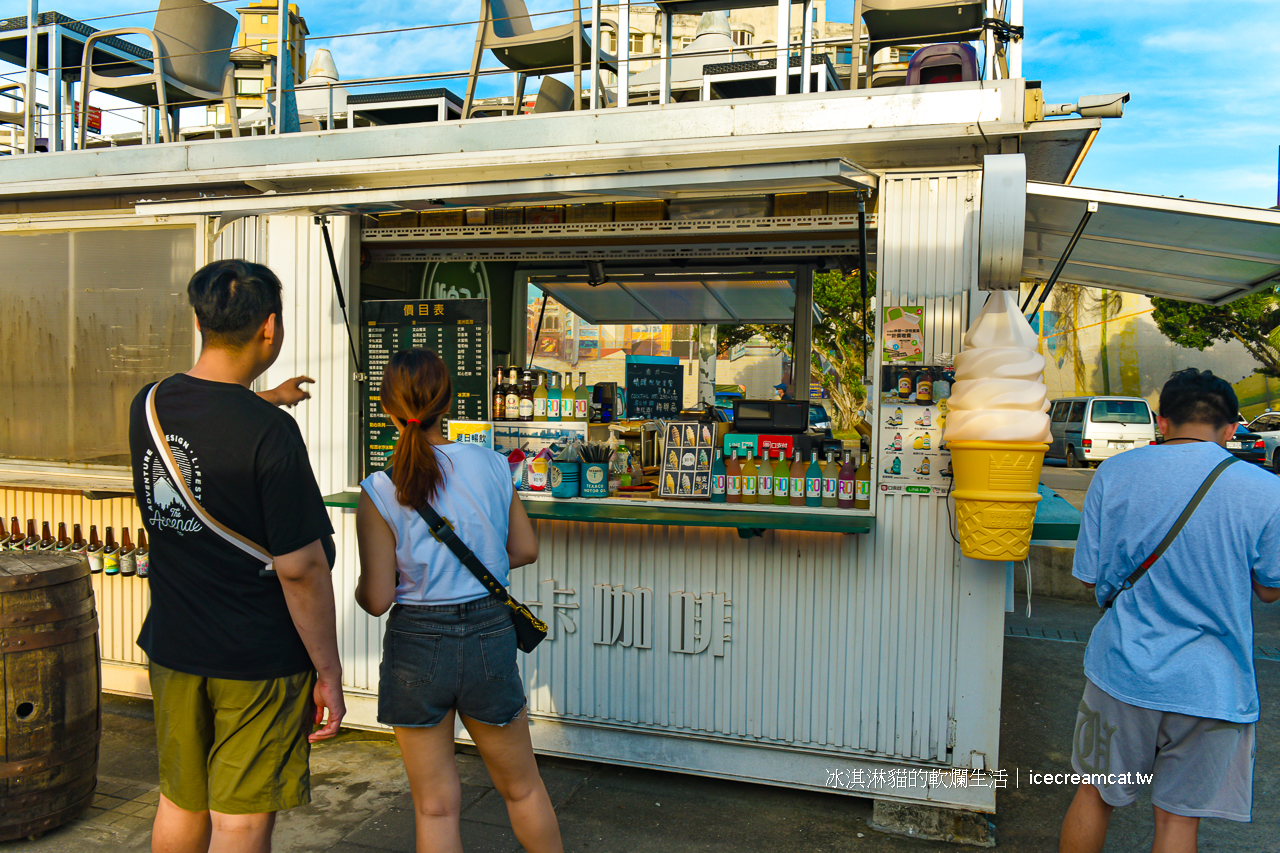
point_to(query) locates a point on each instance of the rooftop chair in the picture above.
(893, 22)
(506, 30)
(191, 44)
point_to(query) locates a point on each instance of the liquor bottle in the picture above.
(143, 555)
(582, 399)
(796, 488)
(540, 399)
(111, 555)
(719, 478)
(862, 497)
(830, 479)
(781, 479)
(46, 539)
(553, 397)
(764, 477)
(511, 405)
(813, 481)
(924, 387)
(499, 396)
(847, 489)
(749, 486)
(733, 487)
(94, 551)
(905, 385)
(128, 556)
(63, 542)
(32, 542)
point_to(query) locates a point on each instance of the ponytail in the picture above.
(417, 390)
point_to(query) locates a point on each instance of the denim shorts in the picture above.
(439, 657)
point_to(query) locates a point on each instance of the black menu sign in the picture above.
(456, 329)
(655, 386)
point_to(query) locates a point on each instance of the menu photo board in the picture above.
(686, 460)
(912, 460)
(456, 329)
(655, 386)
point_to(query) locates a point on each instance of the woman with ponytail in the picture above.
(449, 647)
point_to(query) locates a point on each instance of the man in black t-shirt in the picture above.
(243, 661)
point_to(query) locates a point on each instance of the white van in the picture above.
(1086, 430)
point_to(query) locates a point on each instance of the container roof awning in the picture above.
(668, 299)
(1193, 251)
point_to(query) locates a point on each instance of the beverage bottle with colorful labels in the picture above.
(553, 396)
(764, 477)
(749, 486)
(143, 555)
(796, 487)
(540, 398)
(511, 405)
(566, 397)
(63, 543)
(830, 480)
(94, 552)
(846, 483)
(582, 399)
(781, 480)
(719, 478)
(32, 542)
(128, 556)
(862, 498)
(111, 555)
(46, 538)
(905, 385)
(897, 442)
(733, 487)
(78, 545)
(813, 481)
(924, 387)
(499, 412)
(526, 396)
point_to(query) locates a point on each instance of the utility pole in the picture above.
(29, 98)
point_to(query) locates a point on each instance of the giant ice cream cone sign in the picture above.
(997, 431)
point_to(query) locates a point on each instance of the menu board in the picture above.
(456, 329)
(912, 460)
(686, 460)
(655, 386)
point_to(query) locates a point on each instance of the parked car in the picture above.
(1267, 426)
(1087, 430)
(1248, 445)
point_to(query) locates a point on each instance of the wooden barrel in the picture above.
(51, 687)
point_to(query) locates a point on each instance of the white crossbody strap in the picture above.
(248, 546)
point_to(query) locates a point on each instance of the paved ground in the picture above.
(361, 801)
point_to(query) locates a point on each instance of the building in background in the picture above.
(257, 51)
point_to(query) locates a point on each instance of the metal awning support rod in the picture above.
(323, 222)
(862, 255)
(1090, 210)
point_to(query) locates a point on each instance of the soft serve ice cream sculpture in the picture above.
(997, 431)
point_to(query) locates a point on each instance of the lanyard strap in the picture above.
(1174, 531)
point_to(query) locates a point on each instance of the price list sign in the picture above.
(456, 329)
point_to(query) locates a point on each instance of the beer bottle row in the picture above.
(107, 557)
(532, 395)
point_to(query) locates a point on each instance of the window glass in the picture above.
(1119, 412)
(1060, 412)
(92, 316)
(1077, 413)
(1266, 423)
(248, 85)
(266, 19)
(637, 43)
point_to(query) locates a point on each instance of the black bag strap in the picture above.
(1174, 531)
(444, 533)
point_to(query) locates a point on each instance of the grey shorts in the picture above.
(1196, 767)
(439, 657)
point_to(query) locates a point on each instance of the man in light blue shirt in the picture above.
(1171, 697)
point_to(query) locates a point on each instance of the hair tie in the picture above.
(413, 421)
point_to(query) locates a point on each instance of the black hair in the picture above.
(232, 299)
(1197, 396)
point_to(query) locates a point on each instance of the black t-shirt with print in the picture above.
(244, 460)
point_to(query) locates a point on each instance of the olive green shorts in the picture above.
(234, 747)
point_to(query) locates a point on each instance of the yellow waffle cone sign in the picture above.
(996, 492)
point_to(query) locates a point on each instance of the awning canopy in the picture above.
(1174, 248)
(673, 299)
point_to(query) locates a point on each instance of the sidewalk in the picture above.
(361, 802)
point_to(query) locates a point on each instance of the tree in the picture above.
(838, 339)
(1254, 321)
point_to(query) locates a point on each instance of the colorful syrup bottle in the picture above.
(830, 480)
(582, 399)
(94, 552)
(46, 538)
(813, 481)
(143, 555)
(128, 554)
(553, 397)
(567, 397)
(540, 399)
(781, 480)
(764, 478)
(111, 555)
(733, 488)
(719, 478)
(862, 497)
(846, 483)
(796, 488)
(749, 486)
(63, 543)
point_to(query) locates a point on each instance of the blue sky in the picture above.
(1204, 121)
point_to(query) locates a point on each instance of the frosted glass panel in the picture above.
(86, 319)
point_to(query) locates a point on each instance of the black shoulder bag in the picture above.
(530, 630)
(1173, 533)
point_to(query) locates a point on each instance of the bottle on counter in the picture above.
(764, 477)
(719, 478)
(511, 404)
(111, 555)
(526, 395)
(5, 536)
(567, 397)
(862, 495)
(143, 555)
(813, 481)
(540, 398)
(128, 555)
(830, 480)
(796, 487)
(582, 399)
(846, 485)
(32, 542)
(499, 396)
(733, 485)
(46, 538)
(905, 385)
(553, 396)
(63, 543)
(749, 486)
(781, 479)
(94, 551)
(78, 545)
(924, 387)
